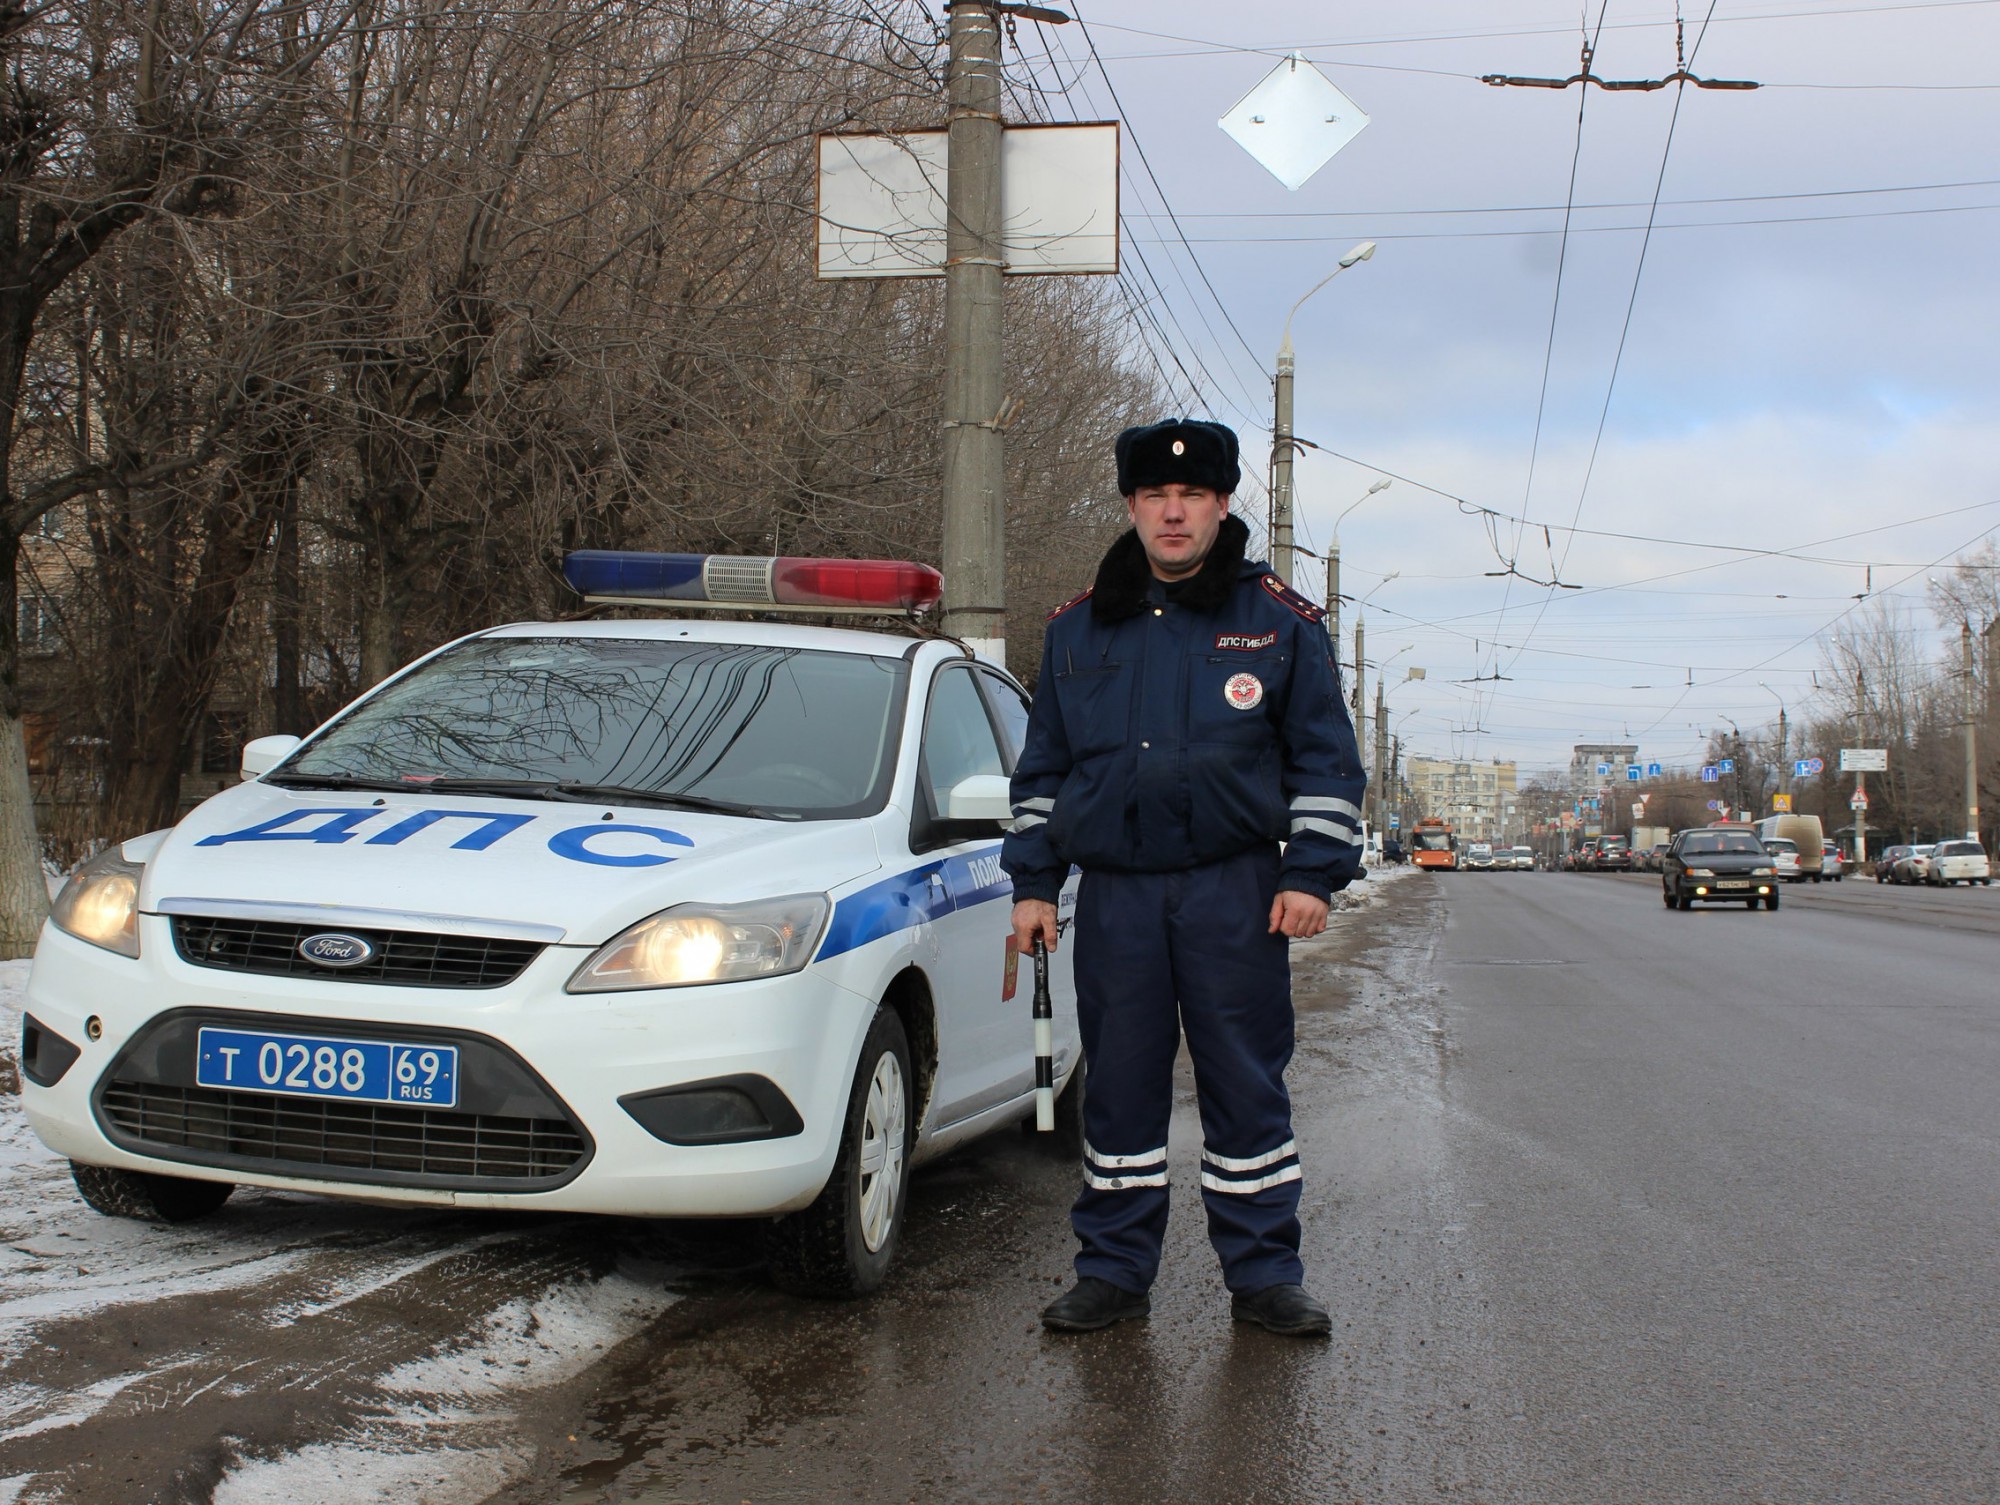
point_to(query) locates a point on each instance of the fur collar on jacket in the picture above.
(1124, 577)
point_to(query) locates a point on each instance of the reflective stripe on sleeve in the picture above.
(1326, 828)
(1327, 803)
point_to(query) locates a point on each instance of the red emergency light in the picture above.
(734, 582)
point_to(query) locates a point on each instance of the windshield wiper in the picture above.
(615, 792)
(526, 789)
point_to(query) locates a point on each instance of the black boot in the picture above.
(1283, 1309)
(1092, 1303)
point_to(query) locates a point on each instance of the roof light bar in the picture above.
(734, 582)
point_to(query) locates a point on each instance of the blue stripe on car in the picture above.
(911, 898)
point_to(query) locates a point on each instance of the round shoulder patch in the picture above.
(1244, 691)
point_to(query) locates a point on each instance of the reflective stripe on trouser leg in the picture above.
(1234, 983)
(1131, 1034)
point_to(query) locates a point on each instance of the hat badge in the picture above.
(1180, 446)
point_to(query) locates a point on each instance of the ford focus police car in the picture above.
(673, 917)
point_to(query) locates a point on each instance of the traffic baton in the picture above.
(1045, 1061)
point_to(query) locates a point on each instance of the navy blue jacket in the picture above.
(1170, 732)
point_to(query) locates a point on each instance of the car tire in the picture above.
(1683, 902)
(1667, 895)
(1750, 903)
(841, 1246)
(147, 1197)
(1771, 902)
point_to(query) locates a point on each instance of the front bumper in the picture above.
(1728, 890)
(574, 1058)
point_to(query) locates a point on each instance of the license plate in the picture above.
(1733, 883)
(365, 1071)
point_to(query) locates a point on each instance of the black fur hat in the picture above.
(1184, 451)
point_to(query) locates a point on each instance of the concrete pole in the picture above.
(1971, 737)
(975, 511)
(1860, 779)
(1360, 692)
(1376, 789)
(1281, 467)
(1333, 596)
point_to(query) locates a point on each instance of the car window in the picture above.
(788, 730)
(1010, 709)
(958, 735)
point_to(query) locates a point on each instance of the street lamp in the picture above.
(1281, 428)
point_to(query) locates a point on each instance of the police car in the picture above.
(663, 918)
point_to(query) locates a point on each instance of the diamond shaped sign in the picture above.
(1294, 121)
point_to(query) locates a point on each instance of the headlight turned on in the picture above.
(100, 902)
(692, 944)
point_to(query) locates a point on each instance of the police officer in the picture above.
(1188, 720)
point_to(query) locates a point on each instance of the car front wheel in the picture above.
(842, 1244)
(1771, 902)
(150, 1198)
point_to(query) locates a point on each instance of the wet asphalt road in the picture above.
(1611, 1204)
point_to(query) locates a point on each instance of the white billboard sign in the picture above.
(882, 201)
(1864, 760)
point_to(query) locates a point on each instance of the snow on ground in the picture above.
(1360, 895)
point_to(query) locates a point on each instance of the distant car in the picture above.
(1784, 857)
(1392, 852)
(1614, 855)
(1586, 857)
(1959, 862)
(1479, 857)
(1652, 858)
(1885, 863)
(1833, 866)
(1718, 867)
(1524, 859)
(1915, 865)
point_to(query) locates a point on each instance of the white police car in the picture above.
(665, 918)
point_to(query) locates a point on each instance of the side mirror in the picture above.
(984, 796)
(262, 754)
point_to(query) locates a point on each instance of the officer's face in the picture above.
(1177, 524)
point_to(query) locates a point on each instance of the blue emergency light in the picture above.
(737, 582)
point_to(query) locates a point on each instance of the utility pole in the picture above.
(1860, 778)
(975, 513)
(1971, 736)
(1281, 477)
(1333, 596)
(1375, 785)
(1784, 755)
(1360, 693)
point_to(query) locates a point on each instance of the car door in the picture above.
(983, 1044)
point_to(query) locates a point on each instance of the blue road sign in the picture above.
(1805, 768)
(1652, 770)
(1710, 774)
(1603, 770)
(1715, 804)
(1632, 774)
(1395, 821)
(1727, 765)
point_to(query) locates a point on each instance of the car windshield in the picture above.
(765, 730)
(1781, 846)
(1959, 849)
(1434, 841)
(1710, 843)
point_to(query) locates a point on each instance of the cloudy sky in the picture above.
(1809, 379)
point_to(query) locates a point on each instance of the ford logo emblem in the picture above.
(334, 948)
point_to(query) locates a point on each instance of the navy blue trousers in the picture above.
(1157, 953)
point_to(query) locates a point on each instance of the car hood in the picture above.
(588, 870)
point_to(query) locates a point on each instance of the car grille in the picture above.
(403, 958)
(344, 1140)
